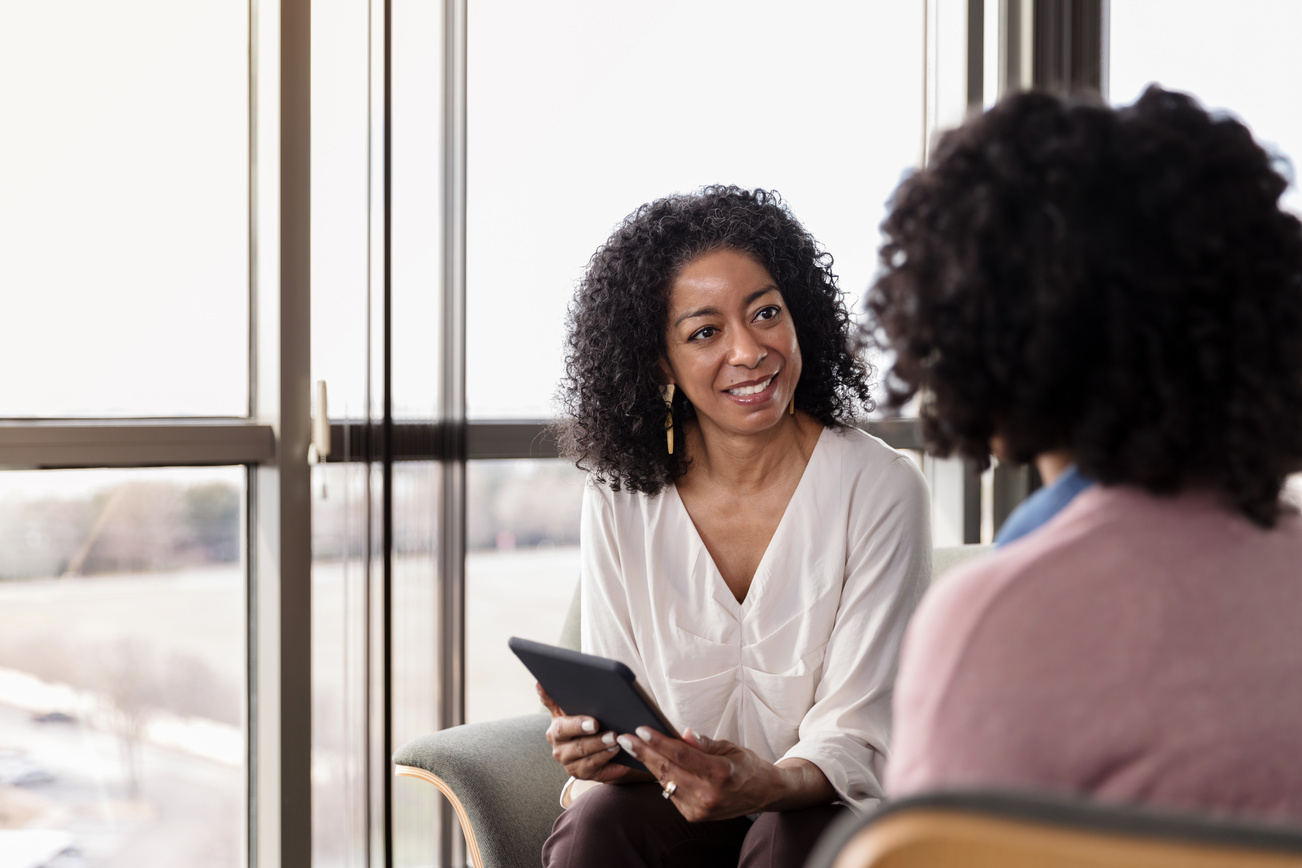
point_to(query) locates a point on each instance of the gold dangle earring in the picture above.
(668, 393)
(791, 408)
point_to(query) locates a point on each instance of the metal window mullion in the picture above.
(371, 447)
(385, 620)
(1068, 45)
(1015, 45)
(280, 514)
(452, 400)
(976, 66)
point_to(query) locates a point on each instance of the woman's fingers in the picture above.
(709, 745)
(548, 702)
(667, 758)
(569, 728)
(583, 757)
(694, 754)
(574, 749)
(711, 777)
(690, 794)
(596, 766)
(578, 746)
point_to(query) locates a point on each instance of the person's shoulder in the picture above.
(603, 502)
(874, 475)
(595, 491)
(957, 601)
(971, 627)
(857, 441)
(604, 490)
(625, 504)
(975, 646)
(1288, 528)
(1029, 581)
(859, 450)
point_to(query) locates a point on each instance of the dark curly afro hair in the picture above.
(613, 413)
(1118, 282)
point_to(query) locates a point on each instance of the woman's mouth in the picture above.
(746, 391)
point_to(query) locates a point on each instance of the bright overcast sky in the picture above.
(123, 171)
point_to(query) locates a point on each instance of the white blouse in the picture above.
(804, 666)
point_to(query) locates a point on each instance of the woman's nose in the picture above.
(745, 351)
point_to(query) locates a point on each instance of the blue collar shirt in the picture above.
(1042, 505)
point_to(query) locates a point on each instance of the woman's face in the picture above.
(730, 343)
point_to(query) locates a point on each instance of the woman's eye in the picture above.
(702, 334)
(768, 312)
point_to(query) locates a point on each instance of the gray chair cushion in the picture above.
(504, 776)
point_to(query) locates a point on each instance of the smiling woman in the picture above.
(611, 397)
(756, 567)
(731, 341)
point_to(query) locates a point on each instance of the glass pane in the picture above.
(340, 579)
(417, 208)
(522, 567)
(582, 110)
(341, 176)
(122, 666)
(416, 651)
(124, 179)
(1234, 56)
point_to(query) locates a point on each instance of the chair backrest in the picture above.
(1009, 830)
(943, 559)
(570, 630)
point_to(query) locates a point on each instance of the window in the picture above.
(522, 567)
(122, 663)
(584, 110)
(124, 170)
(1223, 55)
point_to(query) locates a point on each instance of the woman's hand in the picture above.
(714, 779)
(576, 744)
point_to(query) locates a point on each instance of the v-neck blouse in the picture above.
(804, 665)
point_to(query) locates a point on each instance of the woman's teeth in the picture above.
(743, 391)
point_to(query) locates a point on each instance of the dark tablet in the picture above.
(595, 686)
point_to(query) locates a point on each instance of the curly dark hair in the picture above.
(613, 414)
(1118, 282)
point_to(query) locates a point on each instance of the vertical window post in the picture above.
(452, 508)
(280, 518)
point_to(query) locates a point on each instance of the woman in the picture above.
(1116, 295)
(750, 557)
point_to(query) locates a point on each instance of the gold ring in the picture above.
(669, 790)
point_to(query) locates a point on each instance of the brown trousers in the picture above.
(632, 825)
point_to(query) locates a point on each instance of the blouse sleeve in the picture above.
(888, 567)
(605, 626)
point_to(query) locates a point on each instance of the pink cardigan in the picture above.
(1135, 648)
